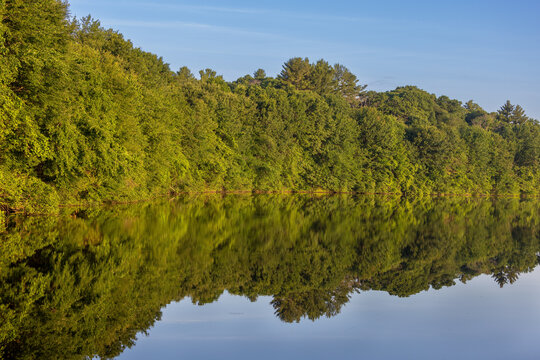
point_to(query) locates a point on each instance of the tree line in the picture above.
(87, 117)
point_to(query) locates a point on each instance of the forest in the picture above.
(86, 117)
(90, 281)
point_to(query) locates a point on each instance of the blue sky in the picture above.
(487, 51)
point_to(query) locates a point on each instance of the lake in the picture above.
(266, 276)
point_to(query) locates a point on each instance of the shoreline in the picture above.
(269, 192)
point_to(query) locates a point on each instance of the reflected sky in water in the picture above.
(477, 320)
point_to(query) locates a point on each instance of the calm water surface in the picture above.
(245, 277)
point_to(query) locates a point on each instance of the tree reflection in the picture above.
(312, 304)
(86, 283)
(506, 275)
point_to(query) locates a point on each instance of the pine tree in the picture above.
(505, 112)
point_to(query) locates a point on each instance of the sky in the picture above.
(487, 51)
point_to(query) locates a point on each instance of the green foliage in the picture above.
(321, 78)
(85, 283)
(386, 162)
(86, 117)
(512, 113)
(27, 194)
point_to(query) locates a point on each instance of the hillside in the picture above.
(86, 117)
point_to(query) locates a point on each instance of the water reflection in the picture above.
(86, 283)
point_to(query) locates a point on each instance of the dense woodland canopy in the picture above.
(86, 117)
(85, 283)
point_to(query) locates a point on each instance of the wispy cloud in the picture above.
(251, 11)
(205, 9)
(189, 25)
